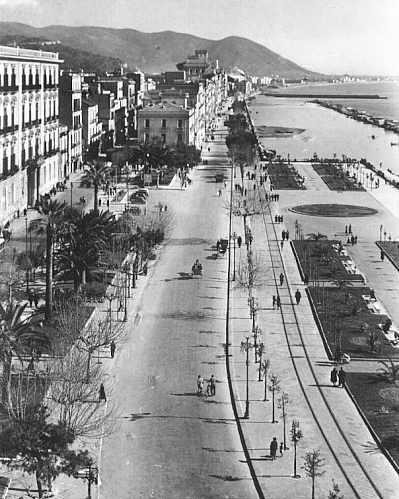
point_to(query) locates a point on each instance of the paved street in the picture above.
(169, 442)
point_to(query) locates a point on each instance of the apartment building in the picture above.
(164, 121)
(29, 118)
(92, 127)
(71, 115)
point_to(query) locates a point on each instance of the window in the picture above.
(163, 124)
(163, 138)
(5, 77)
(146, 123)
(5, 119)
(179, 138)
(179, 123)
(5, 164)
(37, 111)
(146, 137)
(13, 83)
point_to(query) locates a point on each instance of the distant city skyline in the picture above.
(330, 36)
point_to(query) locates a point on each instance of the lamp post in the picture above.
(246, 346)
(26, 253)
(381, 228)
(234, 236)
(261, 349)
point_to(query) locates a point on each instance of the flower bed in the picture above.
(284, 176)
(335, 178)
(379, 401)
(391, 250)
(319, 261)
(348, 323)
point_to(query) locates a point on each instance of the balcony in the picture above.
(8, 88)
(28, 53)
(8, 129)
(33, 86)
(8, 173)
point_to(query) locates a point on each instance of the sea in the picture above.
(328, 133)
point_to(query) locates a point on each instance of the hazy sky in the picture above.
(355, 36)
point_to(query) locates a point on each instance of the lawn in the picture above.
(319, 261)
(284, 176)
(346, 321)
(379, 401)
(391, 250)
(335, 178)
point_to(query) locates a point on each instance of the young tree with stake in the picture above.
(296, 435)
(274, 387)
(283, 401)
(265, 369)
(313, 465)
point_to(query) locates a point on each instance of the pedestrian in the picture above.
(30, 298)
(212, 382)
(282, 244)
(350, 229)
(352, 240)
(36, 300)
(287, 235)
(273, 448)
(355, 239)
(281, 449)
(200, 384)
(274, 301)
(334, 376)
(278, 302)
(283, 235)
(346, 229)
(101, 394)
(275, 218)
(281, 279)
(297, 296)
(382, 256)
(341, 377)
(112, 348)
(239, 241)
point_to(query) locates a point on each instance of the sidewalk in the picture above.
(320, 408)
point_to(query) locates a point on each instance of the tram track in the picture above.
(343, 452)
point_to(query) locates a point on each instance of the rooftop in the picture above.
(19, 53)
(163, 108)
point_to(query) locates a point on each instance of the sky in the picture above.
(331, 36)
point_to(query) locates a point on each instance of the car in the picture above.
(143, 191)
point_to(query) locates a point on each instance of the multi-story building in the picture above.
(195, 66)
(92, 127)
(29, 156)
(164, 121)
(71, 114)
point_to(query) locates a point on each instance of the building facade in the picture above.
(91, 127)
(29, 119)
(164, 121)
(71, 114)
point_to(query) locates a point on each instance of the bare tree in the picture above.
(283, 402)
(274, 387)
(389, 370)
(313, 465)
(296, 435)
(249, 272)
(265, 369)
(335, 493)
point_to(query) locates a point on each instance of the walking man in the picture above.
(36, 300)
(101, 394)
(278, 302)
(297, 296)
(334, 376)
(341, 378)
(112, 348)
(212, 382)
(274, 301)
(281, 279)
(273, 448)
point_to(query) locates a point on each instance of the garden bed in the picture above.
(391, 250)
(335, 178)
(319, 261)
(379, 401)
(284, 176)
(347, 322)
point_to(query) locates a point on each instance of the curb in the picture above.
(387, 255)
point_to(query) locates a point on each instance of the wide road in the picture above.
(170, 443)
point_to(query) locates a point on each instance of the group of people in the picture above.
(278, 219)
(210, 388)
(197, 267)
(273, 448)
(285, 235)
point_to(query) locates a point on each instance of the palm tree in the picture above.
(54, 216)
(96, 175)
(389, 370)
(17, 334)
(87, 235)
(316, 236)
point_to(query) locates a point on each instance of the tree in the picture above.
(17, 335)
(96, 175)
(41, 448)
(389, 370)
(335, 492)
(241, 146)
(53, 212)
(274, 387)
(313, 465)
(265, 369)
(316, 236)
(283, 401)
(296, 435)
(11, 276)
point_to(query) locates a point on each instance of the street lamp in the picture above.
(234, 237)
(381, 228)
(246, 345)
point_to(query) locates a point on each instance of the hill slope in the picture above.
(155, 52)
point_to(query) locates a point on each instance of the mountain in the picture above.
(74, 59)
(156, 52)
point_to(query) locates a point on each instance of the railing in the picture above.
(8, 88)
(28, 53)
(9, 129)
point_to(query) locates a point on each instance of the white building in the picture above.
(29, 158)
